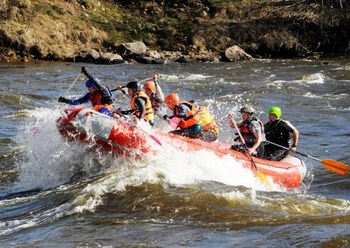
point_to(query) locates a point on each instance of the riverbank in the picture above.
(188, 30)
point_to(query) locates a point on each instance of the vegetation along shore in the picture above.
(157, 31)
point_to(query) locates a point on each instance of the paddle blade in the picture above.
(335, 166)
(156, 139)
(262, 178)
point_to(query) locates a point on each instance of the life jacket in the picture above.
(206, 120)
(149, 115)
(106, 108)
(95, 98)
(247, 134)
(276, 133)
(99, 106)
(192, 117)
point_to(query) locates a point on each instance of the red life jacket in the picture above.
(95, 98)
(247, 134)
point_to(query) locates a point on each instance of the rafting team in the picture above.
(269, 141)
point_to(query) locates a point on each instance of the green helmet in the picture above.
(275, 111)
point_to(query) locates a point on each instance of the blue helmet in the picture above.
(90, 83)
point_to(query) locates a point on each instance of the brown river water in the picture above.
(55, 193)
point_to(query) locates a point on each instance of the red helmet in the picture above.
(172, 99)
(150, 85)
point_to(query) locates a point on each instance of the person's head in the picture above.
(106, 100)
(172, 100)
(91, 86)
(149, 88)
(247, 112)
(274, 113)
(133, 87)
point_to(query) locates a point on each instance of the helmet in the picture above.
(150, 85)
(172, 99)
(90, 83)
(248, 110)
(275, 111)
(133, 85)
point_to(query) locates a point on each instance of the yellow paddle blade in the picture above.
(335, 166)
(262, 177)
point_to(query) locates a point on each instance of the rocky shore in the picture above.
(157, 31)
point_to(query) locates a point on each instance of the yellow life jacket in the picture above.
(206, 120)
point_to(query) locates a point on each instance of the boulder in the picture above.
(132, 48)
(235, 53)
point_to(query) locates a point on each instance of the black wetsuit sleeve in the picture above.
(100, 87)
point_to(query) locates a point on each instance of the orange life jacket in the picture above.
(97, 107)
(149, 115)
(191, 118)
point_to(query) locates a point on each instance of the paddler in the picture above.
(279, 131)
(99, 95)
(154, 93)
(210, 130)
(140, 103)
(252, 131)
(187, 113)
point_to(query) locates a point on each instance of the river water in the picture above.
(55, 193)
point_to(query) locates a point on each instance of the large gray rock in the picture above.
(235, 53)
(131, 49)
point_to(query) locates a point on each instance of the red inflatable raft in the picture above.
(124, 138)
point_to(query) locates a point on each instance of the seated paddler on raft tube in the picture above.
(192, 122)
(252, 131)
(98, 94)
(140, 104)
(278, 134)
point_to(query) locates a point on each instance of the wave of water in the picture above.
(51, 188)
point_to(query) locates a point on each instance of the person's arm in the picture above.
(257, 131)
(295, 140)
(159, 92)
(78, 101)
(258, 137)
(230, 121)
(127, 112)
(99, 86)
(140, 105)
(287, 125)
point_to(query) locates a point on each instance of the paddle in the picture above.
(329, 164)
(150, 135)
(141, 81)
(262, 177)
(143, 130)
(70, 87)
